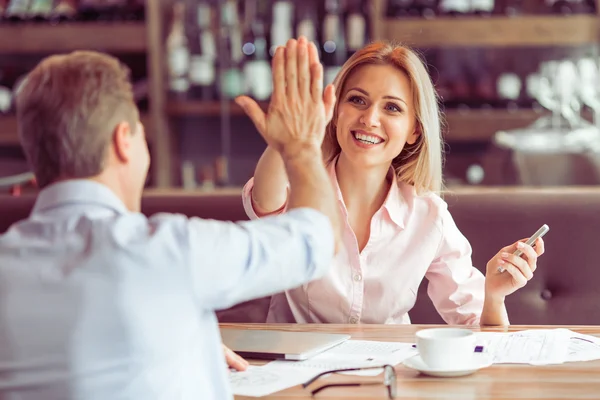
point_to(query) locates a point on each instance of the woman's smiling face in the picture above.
(376, 115)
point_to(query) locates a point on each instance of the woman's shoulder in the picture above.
(430, 200)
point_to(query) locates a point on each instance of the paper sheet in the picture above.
(355, 354)
(264, 380)
(583, 347)
(540, 346)
(279, 375)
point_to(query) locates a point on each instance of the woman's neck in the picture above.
(363, 189)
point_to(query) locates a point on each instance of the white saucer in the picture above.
(480, 360)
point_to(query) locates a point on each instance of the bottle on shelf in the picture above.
(356, 26)
(178, 54)
(454, 7)
(509, 87)
(307, 22)
(221, 171)
(207, 178)
(203, 75)
(5, 94)
(333, 40)
(65, 10)
(40, 10)
(281, 26)
(231, 81)
(188, 175)
(17, 10)
(482, 8)
(257, 69)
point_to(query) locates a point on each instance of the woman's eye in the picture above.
(356, 100)
(393, 107)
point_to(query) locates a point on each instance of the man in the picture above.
(99, 302)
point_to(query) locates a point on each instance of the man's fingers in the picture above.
(316, 83)
(278, 65)
(303, 69)
(291, 68)
(234, 361)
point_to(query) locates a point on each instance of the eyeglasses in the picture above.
(389, 380)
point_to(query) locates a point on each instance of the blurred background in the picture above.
(518, 79)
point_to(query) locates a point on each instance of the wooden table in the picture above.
(579, 380)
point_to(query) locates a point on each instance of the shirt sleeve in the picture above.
(247, 202)
(235, 262)
(456, 288)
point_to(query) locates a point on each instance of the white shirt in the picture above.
(100, 303)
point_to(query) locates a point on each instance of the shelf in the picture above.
(493, 31)
(46, 38)
(462, 126)
(205, 108)
(10, 137)
(480, 126)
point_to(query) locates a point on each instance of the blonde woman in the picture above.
(383, 151)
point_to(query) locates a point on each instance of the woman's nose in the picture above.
(370, 117)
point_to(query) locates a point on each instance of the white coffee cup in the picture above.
(446, 348)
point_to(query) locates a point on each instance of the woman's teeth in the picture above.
(367, 138)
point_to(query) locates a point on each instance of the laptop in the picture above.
(273, 345)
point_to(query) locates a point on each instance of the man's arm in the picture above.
(230, 263)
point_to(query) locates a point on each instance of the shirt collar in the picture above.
(80, 192)
(394, 203)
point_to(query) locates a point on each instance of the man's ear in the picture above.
(412, 138)
(122, 140)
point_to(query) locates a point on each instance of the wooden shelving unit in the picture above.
(148, 37)
(44, 38)
(525, 31)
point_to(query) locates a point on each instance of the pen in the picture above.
(478, 349)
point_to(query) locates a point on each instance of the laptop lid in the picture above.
(272, 344)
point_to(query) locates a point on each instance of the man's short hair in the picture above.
(68, 108)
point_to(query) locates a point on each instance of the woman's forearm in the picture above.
(270, 182)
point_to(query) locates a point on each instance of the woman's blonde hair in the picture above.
(419, 164)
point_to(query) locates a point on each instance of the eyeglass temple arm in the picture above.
(317, 390)
(307, 383)
(314, 378)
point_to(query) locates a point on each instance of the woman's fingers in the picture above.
(517, 262)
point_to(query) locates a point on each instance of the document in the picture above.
(261, 381)
(583, 347)
(279, 375)
(355, 354)
(539, 346)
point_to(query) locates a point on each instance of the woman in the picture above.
(383, 150)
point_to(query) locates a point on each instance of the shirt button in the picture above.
(358, 277)
(353, 320)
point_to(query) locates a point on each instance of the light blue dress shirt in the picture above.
(97, 302)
